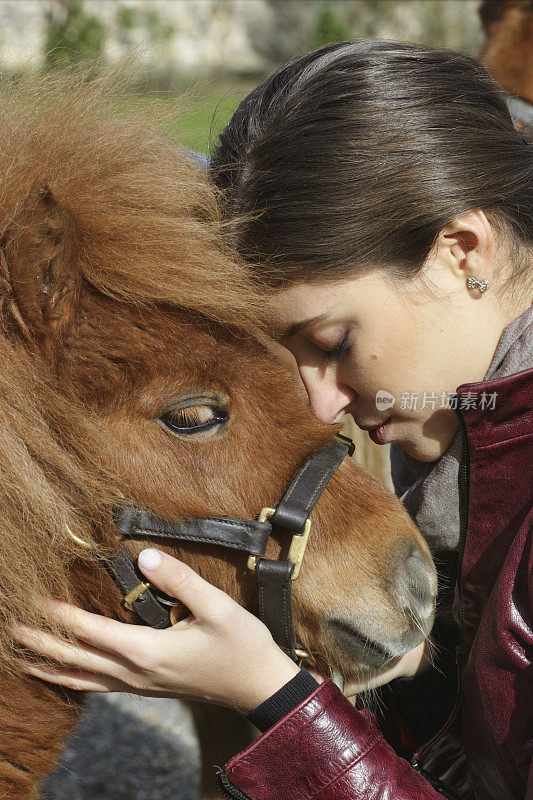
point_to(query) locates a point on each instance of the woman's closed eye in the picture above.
(303, 347)
(335, 353)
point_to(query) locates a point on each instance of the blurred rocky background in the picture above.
(217, 48)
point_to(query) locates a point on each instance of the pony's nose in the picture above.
(415, 581)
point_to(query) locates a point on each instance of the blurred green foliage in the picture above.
(73, 36)
(329, 27)
(127, 18)
(155, 28)
(201, 117)
(158, 29)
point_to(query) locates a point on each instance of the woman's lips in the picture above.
(378, 433)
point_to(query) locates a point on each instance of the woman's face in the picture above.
(389, 352)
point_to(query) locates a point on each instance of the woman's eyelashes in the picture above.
(335, 353)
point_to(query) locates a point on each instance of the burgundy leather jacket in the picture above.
(326, 750)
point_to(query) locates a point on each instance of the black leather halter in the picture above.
(249, 536)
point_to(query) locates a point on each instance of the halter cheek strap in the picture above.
(292, 514)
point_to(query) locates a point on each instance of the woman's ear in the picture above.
(39, 267)
(468, 246)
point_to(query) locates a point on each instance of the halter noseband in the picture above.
(250, 536)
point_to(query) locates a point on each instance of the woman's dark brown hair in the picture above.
(358, 154)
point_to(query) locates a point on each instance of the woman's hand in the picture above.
(220, 653)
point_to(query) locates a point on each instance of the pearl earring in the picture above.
(472, 283)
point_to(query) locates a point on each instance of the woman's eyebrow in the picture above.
(306, 323)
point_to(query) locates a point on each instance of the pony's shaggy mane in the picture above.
(51, 480)
(149, 232)
(148, 223)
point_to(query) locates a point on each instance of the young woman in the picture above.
(382, 194)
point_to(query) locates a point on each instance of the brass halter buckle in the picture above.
(135, 593)
(296, 549)
(138, 591)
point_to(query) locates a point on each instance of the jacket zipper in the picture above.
(435, 782)
(227, 789)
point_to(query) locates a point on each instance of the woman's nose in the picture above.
(328, 399)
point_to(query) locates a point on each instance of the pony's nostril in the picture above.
(416, 585)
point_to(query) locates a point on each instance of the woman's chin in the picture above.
(423, 450)
(424, 444)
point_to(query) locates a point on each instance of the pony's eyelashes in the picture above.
(195, 417)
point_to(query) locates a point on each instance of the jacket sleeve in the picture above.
(325, 750)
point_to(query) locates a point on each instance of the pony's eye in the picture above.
(193, 419)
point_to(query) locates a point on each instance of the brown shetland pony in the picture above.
(119, 304)
(508, 49)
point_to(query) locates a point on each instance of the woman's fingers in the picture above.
(180, 581)
(83, 656)
(106, 634)
(222, 654)
(73, 679)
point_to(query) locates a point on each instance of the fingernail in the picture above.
(149, 559)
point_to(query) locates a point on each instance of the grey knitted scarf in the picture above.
(430, 490)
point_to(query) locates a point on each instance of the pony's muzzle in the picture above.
(415, 583)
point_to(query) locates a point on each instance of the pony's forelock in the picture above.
(148, 224)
